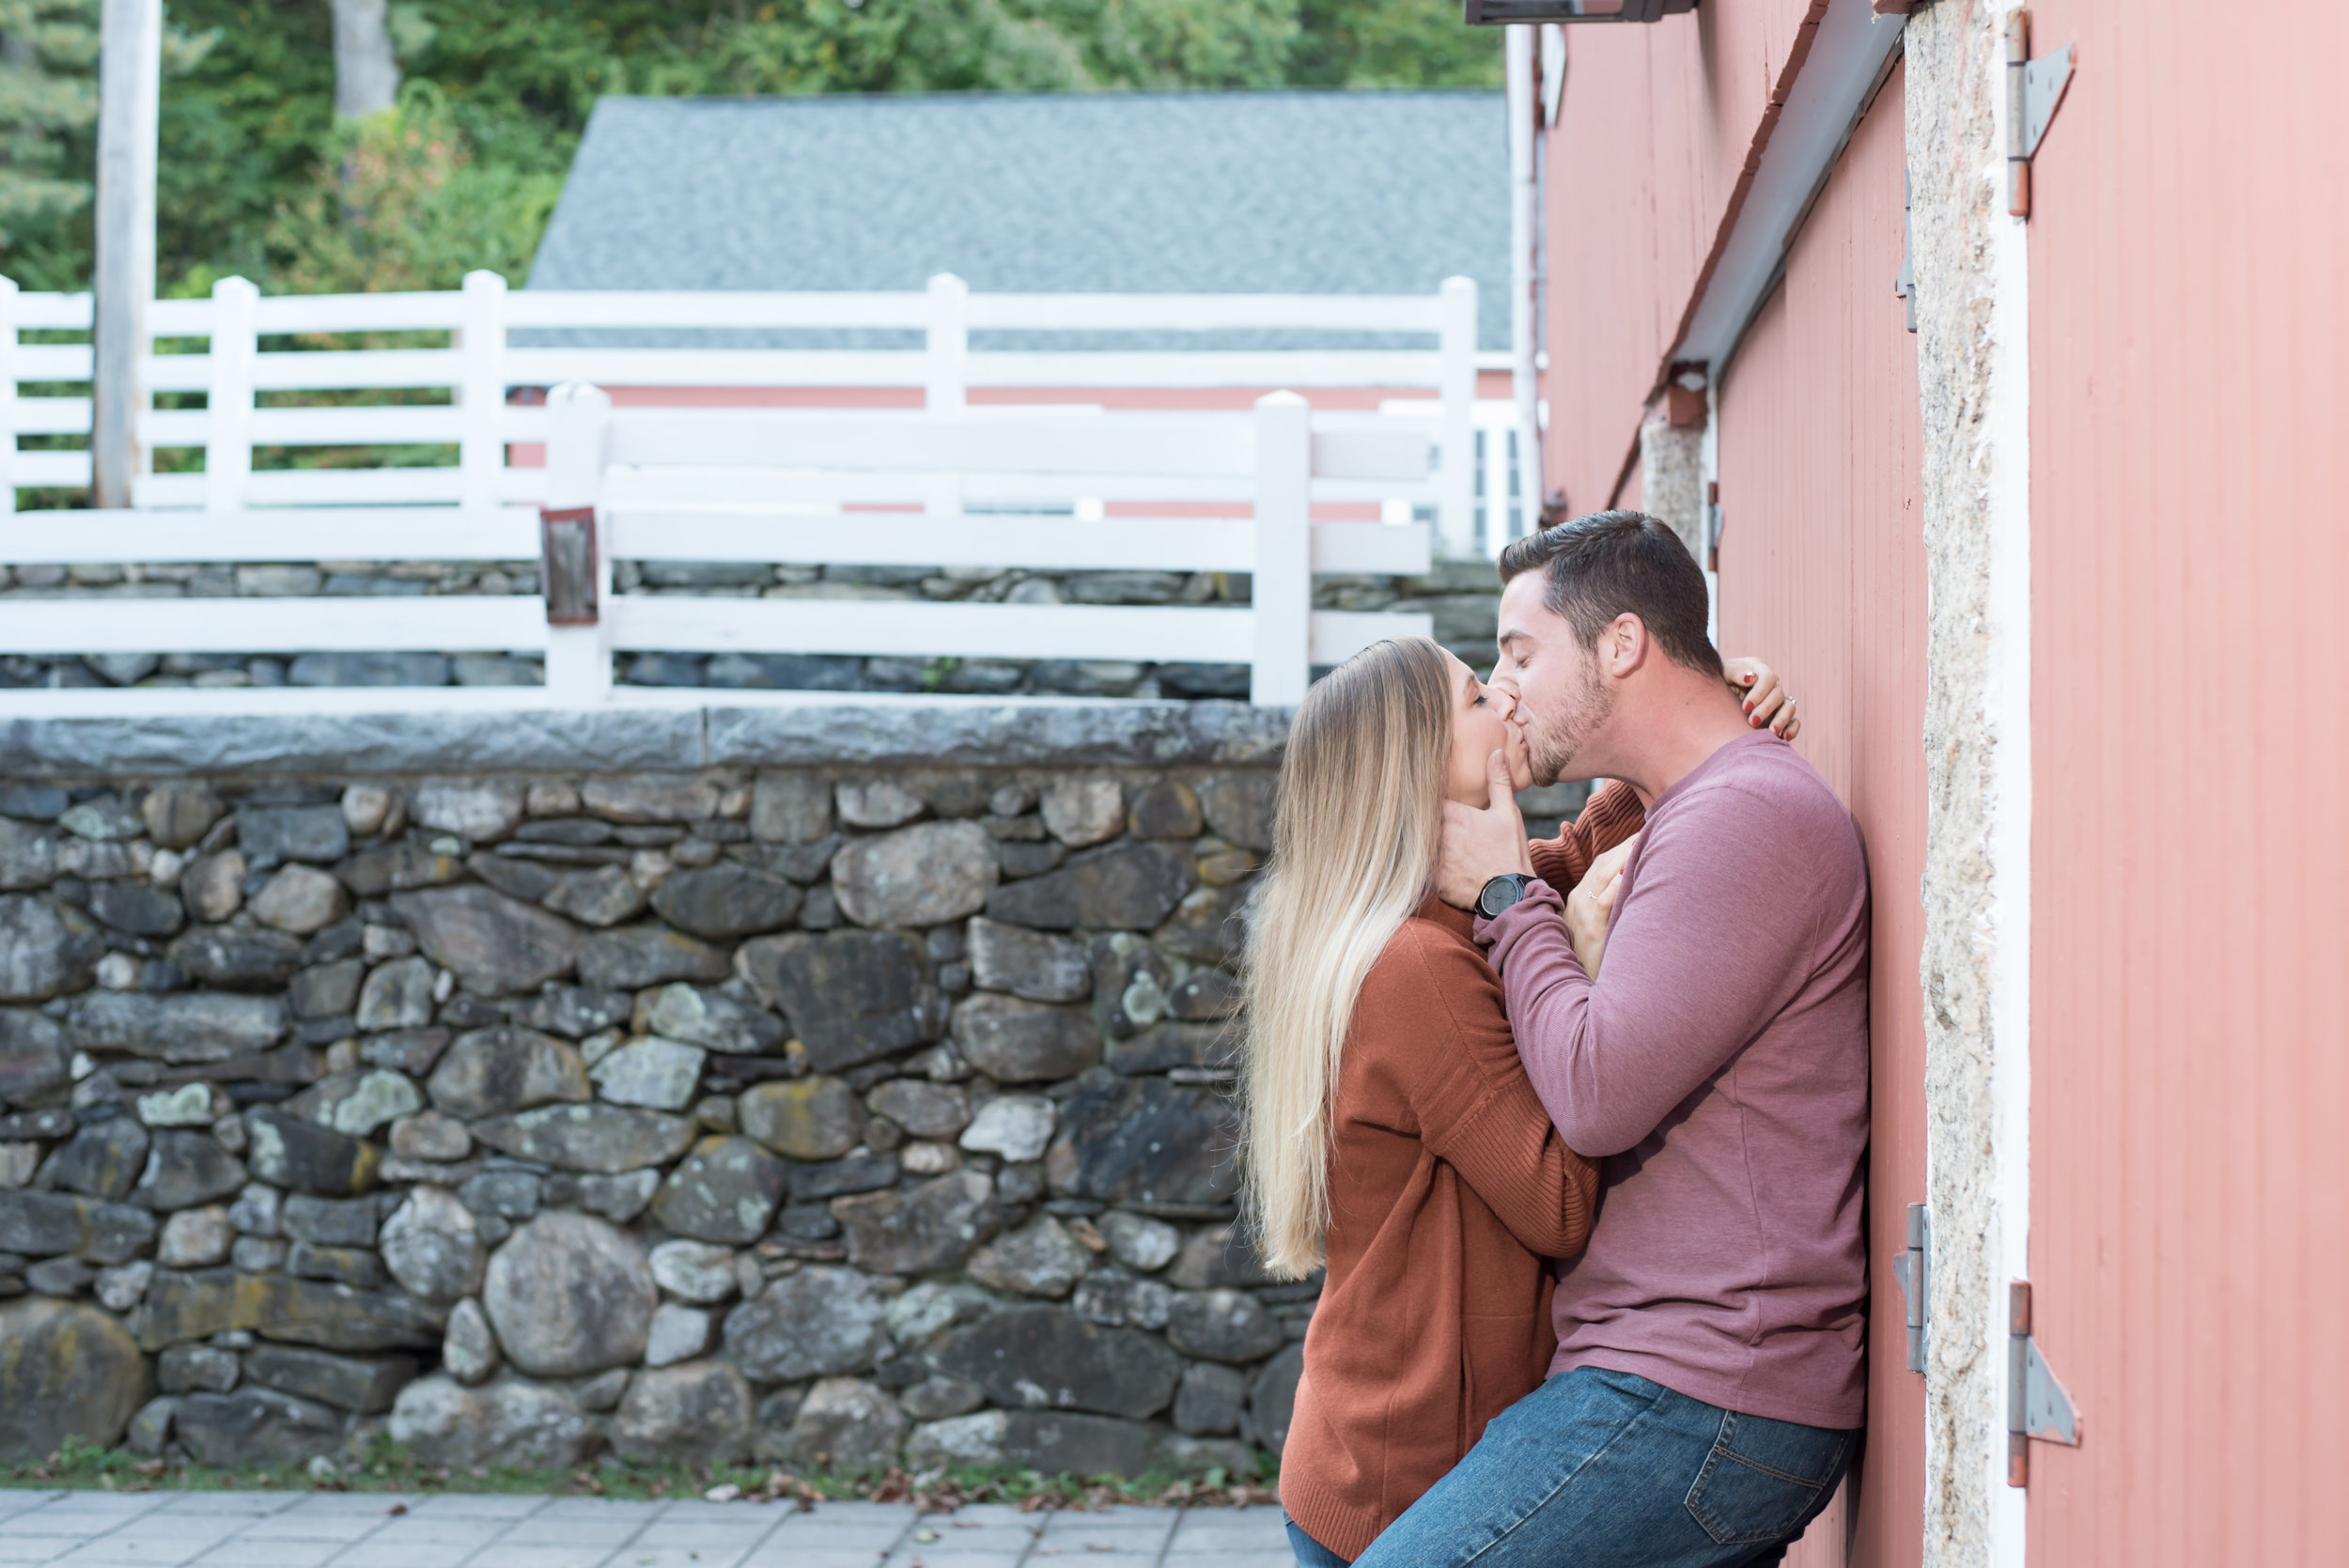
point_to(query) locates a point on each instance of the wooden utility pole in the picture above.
(130, 101)
(367, 70)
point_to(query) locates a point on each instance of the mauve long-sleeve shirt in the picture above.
(1719, 1065)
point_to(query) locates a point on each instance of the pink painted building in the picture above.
(2018, 453)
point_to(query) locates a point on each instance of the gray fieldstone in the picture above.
(877, 803)
(482, 810)
(790, 808)
(662, 1074)
(1039, 1259)
(1209, 1401)
(525, 879)
(286, 1152)
(812, 1324)
(261, 1211)
(177, 814)
(711, 1019)
(865, 1173)
(850, 996)
(358, 1102)
(46, 949)
(349, 1266)
(599, 895)
(809, 1118)
(509, 1422)
(508, 1194)
(600, 1394)
(727, 900)
(569, 1295)
(1272, 1400)
(1145, 1140)
(184, 1369)
(184, 1168)
(1028, 964)
(201, 1303)
(34, 1056)
(1020, 1042)
(61, 1277)
(401, 866)
(495, 945)
(325, 1221)
(254, 1426)
(1016, 1127)
(327, 990)
(366, 807)
(608, 1139)
(271, 834)
(118, 1289)
(299, 899)
(186, 1026)
(28, 854)
(1130, 979)
(1239, 807)
(141, 909)
(621, 1197)
(918, 1230)
(104, 818)
(250, 1254)
(1126, 886)
(237, 958)
(1164, 1046)
(935, 1398)
(1209, 925)
(151, 1429)
(1203, 997)
(397, 995)
(575, 1013)
(195, 1238)
(1118, 1300)
(922, 1314)
(1046, 1358)
(191, 1105)
(650, 797)
(362, 1384)
(431, 1247)
(213, 885)
(1217, 1257)
(699, 1412)
(1080, 811)
(924, 1109)
(695, 1272)
(679, 1334)
(469, 1352)
(845, 1425)
(629, 957)
(921, 875)
(1138, 1242)
(1224, 1326)
(430, 1136)
(497, 1072)
(102, 1159)
(1166, 809)
(726, 1191)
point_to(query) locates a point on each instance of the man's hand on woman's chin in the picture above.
(1479, 845)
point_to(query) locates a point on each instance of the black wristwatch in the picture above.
(1499, 894)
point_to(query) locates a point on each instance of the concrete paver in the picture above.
(327, 1529)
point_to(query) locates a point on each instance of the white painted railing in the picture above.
(950, 484)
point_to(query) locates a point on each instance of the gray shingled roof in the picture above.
(1364, 193)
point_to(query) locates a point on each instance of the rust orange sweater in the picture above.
(1449, 1191)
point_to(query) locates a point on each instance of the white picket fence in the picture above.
(993, 485)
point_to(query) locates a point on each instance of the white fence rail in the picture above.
(956, 483)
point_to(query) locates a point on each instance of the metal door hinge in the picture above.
(1905, 281)
(2036, 1402)
(2034, 89)
(1914, 1270)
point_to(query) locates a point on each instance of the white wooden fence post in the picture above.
(481, 390)
(1280, 589)
(8, 396)
(947, 384)
(228, 397)
(579, 657)
(1455, 439)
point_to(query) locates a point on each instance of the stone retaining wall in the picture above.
(829, 1114)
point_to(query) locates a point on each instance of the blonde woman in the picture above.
(1391, 1132)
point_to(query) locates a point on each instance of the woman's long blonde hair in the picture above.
(1353, 855)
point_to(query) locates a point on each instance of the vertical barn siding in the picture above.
(1822, 574)
(1654, 125)
(2188, 407)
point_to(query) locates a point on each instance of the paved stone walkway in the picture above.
(328, 1529)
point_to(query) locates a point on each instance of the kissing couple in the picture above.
(1577, 1127)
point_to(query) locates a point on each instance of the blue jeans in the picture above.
(1603, 1469)
(1310, 1552)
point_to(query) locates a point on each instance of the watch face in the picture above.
(1499, 894)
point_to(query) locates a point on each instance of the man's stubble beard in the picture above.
(1552, 754)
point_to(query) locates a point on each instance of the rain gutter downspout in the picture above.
(1524, 280)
